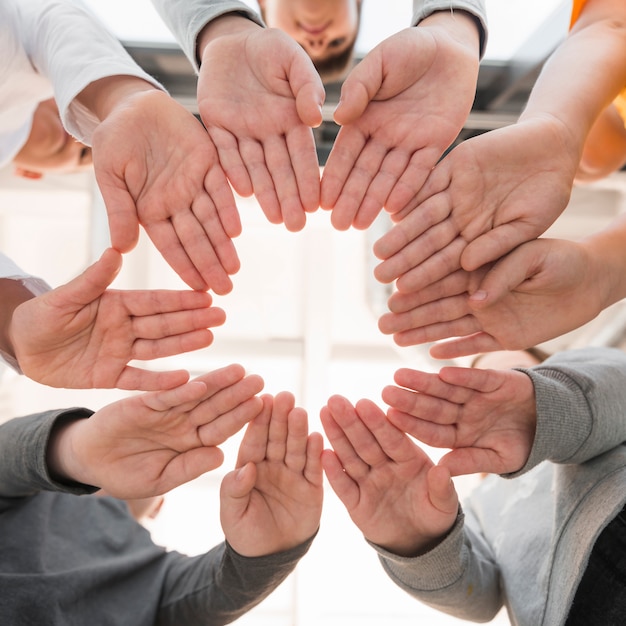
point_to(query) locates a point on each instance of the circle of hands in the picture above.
(400, 109)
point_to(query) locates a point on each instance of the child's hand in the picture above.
(272, 501)
(391, 489)
(150, 443)
(488, 417)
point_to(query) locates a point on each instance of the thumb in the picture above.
(308, 90)
(358, 89)
(122, 215)
(92, 283)
(441, 490)
(505, 276)
(238, 484)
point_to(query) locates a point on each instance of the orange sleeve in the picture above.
(577, 7)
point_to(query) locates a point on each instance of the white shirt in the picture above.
(8, 269)
(53, 48)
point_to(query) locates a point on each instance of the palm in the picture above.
(258, 95)
(487, 417)
(171, 183)
(416, 105)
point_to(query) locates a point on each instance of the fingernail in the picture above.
(478, 296)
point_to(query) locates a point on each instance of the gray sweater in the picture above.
(68, 558)
(525, 543)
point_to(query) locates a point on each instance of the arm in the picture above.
(142, 140)
(567, 410)
(270, 511)
(400, 108)
(259, 95)
(408, 511)
(148, 444)
(486, 197)
(85, 335)
(539, 291)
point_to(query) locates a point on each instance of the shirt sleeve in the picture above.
(23, 448)
(72, 48)
(580, 397)
(423, 8)
(187, 18)
(9, 270)
(460, 576)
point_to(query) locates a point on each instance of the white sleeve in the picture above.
(186, 18)
(9, 270)
(72, 48)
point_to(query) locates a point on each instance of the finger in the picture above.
(165, 237)
(361, 439)
(121, 212)
(148, 349)
(343, 449)
(313, 468)
(422, 406)
(137, 379)
(435, 332)
(253, 156)
(225, 425)
(303, 156)
(253, 447)
(465, 346)
(375, 199)
(283, 178)
(340, 481)
(506, 276)
(435, 314)
(297, 440)
(436, 267)
(236, 486)
(413, 178)
(163, 325)
(93, 282)
(472, 379)
(441, 491)
(430, 433)
(345, 151)
(453, 284)
(221, 197)
(436, 385)
(279, 430)
(463, 461)
(358, 181)
(188, 466)
(231, 160)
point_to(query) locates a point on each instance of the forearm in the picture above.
(580, 397)
(582, 77)
(219, 587)
(473, 11)
(24, 446)
(71, 63)
(442, 577)
(188, 18)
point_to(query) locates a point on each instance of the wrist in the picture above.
(14, 293)
(105, 95)
(460, 25)
(61, 455)
(227, 24)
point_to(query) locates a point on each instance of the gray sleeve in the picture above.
(186, 18)
(459, 576)
(581, 405)
(218, 587)
(424, 8)
(23, 446)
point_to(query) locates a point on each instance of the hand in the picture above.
(259, 95)
(272, 501)
(539, 291)
(487, 196)
(148, 444)
(156, 166)
(400, 108)
(488, 417)
(391, 489)
(82, 335)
